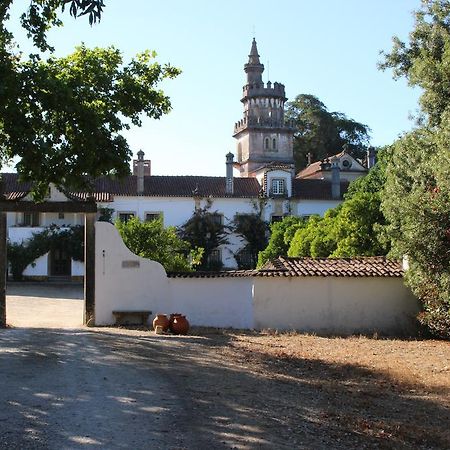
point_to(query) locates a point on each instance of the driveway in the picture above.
(44, 305)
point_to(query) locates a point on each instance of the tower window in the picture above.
(266, 144)
(274, 144)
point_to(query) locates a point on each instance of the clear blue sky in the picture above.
(328, 48)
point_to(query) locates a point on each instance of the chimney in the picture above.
(139, 172)
(371, 157)
(335, 179)
(229, 188)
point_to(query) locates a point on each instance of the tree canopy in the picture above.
(64, 117)
(322, 133)
(205, 230)
(424, 60)
(354, 228)
(416, 198)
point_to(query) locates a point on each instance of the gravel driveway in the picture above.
(91, 388)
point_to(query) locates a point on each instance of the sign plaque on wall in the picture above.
(130, 264)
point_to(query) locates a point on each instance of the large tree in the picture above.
(417, 196)
(424, 60)
(205, 230)
(322, 133)
(64, 117)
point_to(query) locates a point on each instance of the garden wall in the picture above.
(331, 305)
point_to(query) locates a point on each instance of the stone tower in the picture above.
(262, 135)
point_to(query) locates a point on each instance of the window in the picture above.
(153, 216)
(125, 216)
(244, 258)
(215, 257)
(278, 186)
(217, 219)
(346, 164)
(274, 144)
(31, 219)
(61, 215)
(274, 219)
(266, 144)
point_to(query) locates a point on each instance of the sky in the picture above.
(329, 49)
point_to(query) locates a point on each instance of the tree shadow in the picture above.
(105, 388)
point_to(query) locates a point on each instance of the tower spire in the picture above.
(253, 58)
(254, 68)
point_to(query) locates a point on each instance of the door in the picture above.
(60, 263)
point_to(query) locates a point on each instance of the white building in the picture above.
(266, 183)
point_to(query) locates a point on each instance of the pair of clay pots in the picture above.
(176, 323)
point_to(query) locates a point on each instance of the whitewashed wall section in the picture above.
(331, 305)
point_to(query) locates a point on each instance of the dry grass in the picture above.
(384, 393)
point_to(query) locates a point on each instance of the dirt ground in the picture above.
(120, 388)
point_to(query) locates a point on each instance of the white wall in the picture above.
(220, 302)
(118, 284)
(40, 268)
(310, 207)
(335, 305)
(329, 305)
(213, 302)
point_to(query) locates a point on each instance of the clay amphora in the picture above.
(162, 321)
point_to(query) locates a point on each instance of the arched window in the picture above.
(266, 143)
(274, 144)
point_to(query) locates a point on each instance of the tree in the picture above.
(425, 59)
(281, 234)
(322, 133)
(205, 230)
(151, 240)
(417, 205)
(316, 239)
(254, 231)
(416, 199)
(64, 117)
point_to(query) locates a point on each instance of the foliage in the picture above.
(322, 133)
(64, 117)
(254, 232)
(316, 238)
(20, 255)
(205, 230)
(151, 240)
(417, 205)
(105, 214)
(281, 234)
(424, 61)
(374, 181)
(416, 198)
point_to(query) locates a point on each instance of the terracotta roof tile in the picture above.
(154, 186)
(313, 189)
(377, 266)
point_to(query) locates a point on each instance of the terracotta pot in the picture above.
(161, 320)
(179, 324)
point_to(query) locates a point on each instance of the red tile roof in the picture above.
(310, 170)
(11, 188)
(105, 188)
(315, 189)
(377, 266)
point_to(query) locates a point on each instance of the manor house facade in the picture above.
(266, 182)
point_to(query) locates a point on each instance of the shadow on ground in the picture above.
(107, 388)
